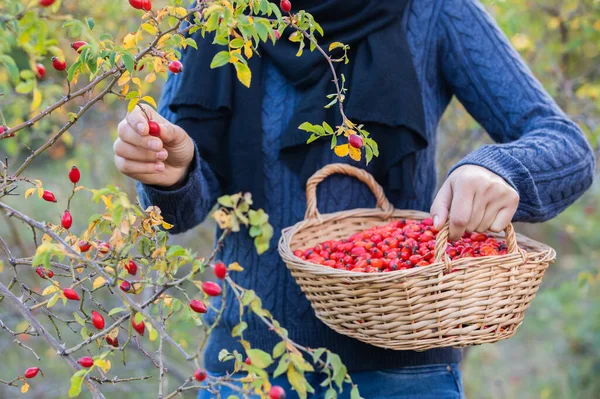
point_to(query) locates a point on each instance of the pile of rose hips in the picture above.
(399, 245)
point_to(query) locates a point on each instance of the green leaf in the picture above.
(259, 358)
(327, 128)
(297, 381)
(25, 87)
(76, 381)
(90, 23)
(279, 349)
(79, 319)
(11, 67)
(114, 311)
(52, 301)
(282, 366)
(128, 61)
(255, 231)
(225, 201)
(317, 354)
(313, 137)
(354, 394)
(236, 43)
(239, 329)
(249, 295)
(331, 394)
(153, 335)
(220, 59)
(243, 73)
(333, 141)
(258, 217)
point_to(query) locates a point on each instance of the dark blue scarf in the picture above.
(384, 94)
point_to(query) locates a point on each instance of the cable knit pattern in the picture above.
(457, 50)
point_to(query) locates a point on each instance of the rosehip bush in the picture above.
(112, 286)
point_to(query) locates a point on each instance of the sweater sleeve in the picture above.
(539, 151)
(188, 204)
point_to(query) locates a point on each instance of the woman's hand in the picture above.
(474, 199)
(161, 161)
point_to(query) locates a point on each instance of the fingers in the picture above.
(137, 138)
(503, 218)
(460, 209)
(132, 168)
(441, 205)
(480, 203)
(134, 153)
(138, 120)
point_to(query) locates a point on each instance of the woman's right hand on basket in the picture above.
(161, 161)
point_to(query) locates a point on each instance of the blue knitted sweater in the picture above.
(457, 51)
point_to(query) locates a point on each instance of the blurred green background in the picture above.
(556, 352)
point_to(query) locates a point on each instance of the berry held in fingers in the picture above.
(153, 129)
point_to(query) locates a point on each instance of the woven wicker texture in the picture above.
(457, 303)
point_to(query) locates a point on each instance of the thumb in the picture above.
(441, 205)
(171, 134)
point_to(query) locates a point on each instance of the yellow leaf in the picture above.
(151, 29)
(136, 81)
(46, 238)
(36, 101)
(125, 90)
(53, 300)
(129, 41)
(1, 266)
(30, 192)
(243, 73)
(355, 153)
(151, 77)
(104, 364)
(181, 11)
(124, 78)
(248, 49)
(50, 290)
(25, 388)
(40, 191)
(166, 225)
(149, 100)
(109, 269)
(236, 267)
(335, 45)
(114, 333)
(342, 150)
(99, 282)
(132, 103)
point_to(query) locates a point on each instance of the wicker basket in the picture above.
(462, 302)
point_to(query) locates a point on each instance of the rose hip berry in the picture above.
(137, 4)
(78, 45)
(146, 5)
(86, 362)
(40, 71)
(48, 196)
(58, 64)
(175, 66)
(46, 3)
(140, 327)
(197, 306)
(285, 5)
(131, 267)
(71, 294)
(66, 221)
(31, 372)
(211, 289)
(220, 270)
(103, 248)
(84, 246)
(97, 320)
(355, 141)
(112, 341)
(200, 375)
(248, 361)
(276, 392)
(125, 286)
(153, 129)
(74, 175)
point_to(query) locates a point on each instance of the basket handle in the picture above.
(339, 168)
(441, 243)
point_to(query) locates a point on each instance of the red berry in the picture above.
(48, 196)
(125, 286)
(97, 320)
(198, 306)
(139, 327)
(277, 35)
(200, 375)
(137, 4)
(74, 175)
(103, 248)
(41, 272)
(355, 141)
(136, 67)
(146, 5)
(71, 294)
(175, 66)
(86, 362)
(58, 64)
(211, 289)
(77, 45)
(220, 270)
(40, 71)
(131, 268)
(84, 246)
(276, 392)
(248, 361)
(285, 6)
(66, 221)
(50, 273)
(153, 129)
(46, 3)
(112, 342)
(32, 372)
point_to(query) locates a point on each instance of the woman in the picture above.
(408, 59)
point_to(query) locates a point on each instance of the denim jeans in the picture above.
(440, 381)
